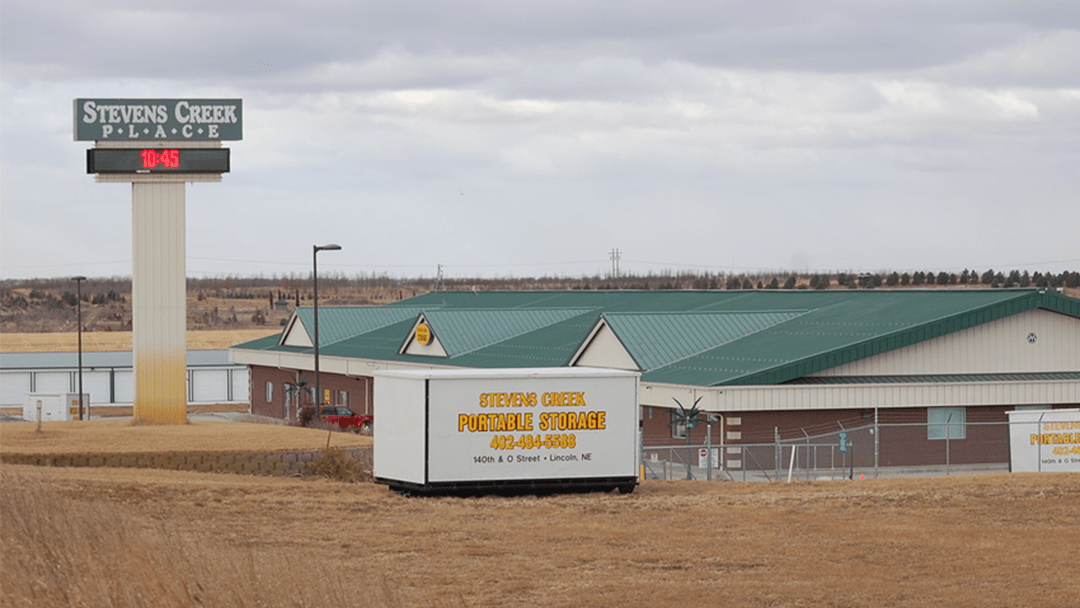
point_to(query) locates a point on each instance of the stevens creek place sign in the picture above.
(164, 119)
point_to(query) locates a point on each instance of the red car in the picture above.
(348, 419)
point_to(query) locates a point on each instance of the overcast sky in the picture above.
(532, 138)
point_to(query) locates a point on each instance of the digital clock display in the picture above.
(157, 160)
(168, 159)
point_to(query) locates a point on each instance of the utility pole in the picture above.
(615, 256)
(78, 302)
(438, 279)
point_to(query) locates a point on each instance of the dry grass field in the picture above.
(127, 537)
(120, 436)
(119, 340)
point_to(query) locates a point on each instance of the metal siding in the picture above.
(337, 323)
(785, 398)
(209, 385)
(989, 348)
(13, 385)
(124, 386)
(95, 385)
(53, 382)
(605, 350)
(241, 386)
(300, 361)
(465, 331)
(158, 296)
(841, 327)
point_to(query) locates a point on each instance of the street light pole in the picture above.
(315, 289)
(78, 306)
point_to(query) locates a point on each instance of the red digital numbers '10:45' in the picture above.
(170, 159)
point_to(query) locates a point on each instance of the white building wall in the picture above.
(12, 387)
(116, 386)
(52, 382)
(853, 396)
(1032, 341)
(606, 351)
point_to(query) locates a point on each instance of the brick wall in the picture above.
(354, 392)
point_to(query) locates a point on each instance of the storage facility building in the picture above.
(922, 376)
(109, 379)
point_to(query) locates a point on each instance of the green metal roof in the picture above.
(337, 323)
(704, 338)
(655, 340)
(465, 331)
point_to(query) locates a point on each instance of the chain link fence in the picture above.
(870, 451)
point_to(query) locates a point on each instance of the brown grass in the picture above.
(336, 464)
(140, 537)
(63, 551)
(975, 541)
(124, 436)
(159, 535)
(120, 340)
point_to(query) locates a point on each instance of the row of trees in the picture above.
(57, 293)
(47, 299)
(988, 278)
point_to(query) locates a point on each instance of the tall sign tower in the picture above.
(158, 145)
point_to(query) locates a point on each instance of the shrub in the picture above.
(307, 415)
(336, 464)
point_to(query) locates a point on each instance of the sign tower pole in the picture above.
(159, 301)
(158, 145)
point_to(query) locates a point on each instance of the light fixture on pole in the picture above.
(78, 306)
(315, 289)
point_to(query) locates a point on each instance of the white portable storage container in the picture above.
(1044, 440)
(52, 406)
(506, 430)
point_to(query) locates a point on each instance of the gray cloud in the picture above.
(533, 137)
